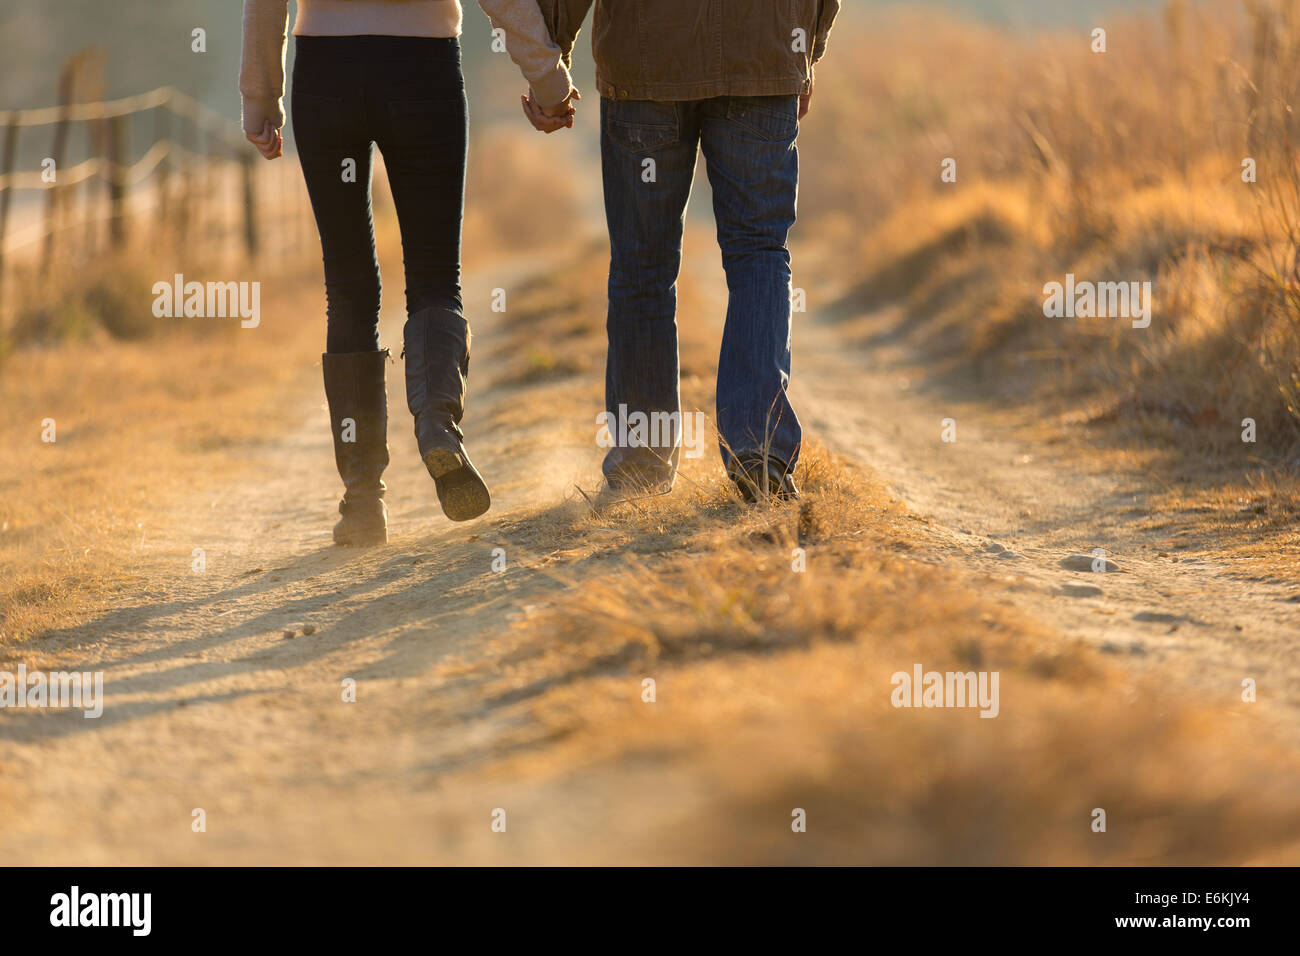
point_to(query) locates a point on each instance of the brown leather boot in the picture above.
(358, 402)
(437, 363)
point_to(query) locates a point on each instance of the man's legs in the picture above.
(753, 164)
(648, 154)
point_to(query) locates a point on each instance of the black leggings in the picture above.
(406, 95)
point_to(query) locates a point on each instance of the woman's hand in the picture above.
(269, 143)
(548, 119)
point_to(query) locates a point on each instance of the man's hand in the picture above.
(269, 142)
(548, 119)
(805, 99)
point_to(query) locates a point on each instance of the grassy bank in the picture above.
(1116, 166)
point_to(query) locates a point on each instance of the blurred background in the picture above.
(75, 52)
(146, 43)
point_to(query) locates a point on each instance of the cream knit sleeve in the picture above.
(530, 45)
(261, 70)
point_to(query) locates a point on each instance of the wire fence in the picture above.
(198, 185)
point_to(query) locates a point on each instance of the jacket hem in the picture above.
(702, 90)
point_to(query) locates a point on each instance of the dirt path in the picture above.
(213, 708)
(1028, 513)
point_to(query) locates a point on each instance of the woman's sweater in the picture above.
(261, 74)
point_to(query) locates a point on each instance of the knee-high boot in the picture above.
(358, 405)
(437, 363)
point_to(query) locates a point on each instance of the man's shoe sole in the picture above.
(461, 490)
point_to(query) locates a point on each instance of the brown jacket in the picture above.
(695, 49)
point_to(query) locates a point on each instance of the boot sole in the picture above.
(461, 491)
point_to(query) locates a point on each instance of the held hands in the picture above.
(269, 142)
(548, 119)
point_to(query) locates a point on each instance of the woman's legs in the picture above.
(420, 123)
(407, 95)
(417, 102)
(333, 136)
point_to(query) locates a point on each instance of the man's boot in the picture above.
(358, 404)
(437, 363)
(760, 477)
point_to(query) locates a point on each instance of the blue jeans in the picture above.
(753, 167)
(406, 95)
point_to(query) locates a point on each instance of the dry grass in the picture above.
(1117, 166)
(773, 691)
(1122, 166)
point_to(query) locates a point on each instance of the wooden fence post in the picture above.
(162, 133)
(203, 179)
(184, 207)
(250, 205)
(117, 170)
(79, 198)
(6, 168)
(57, 152)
